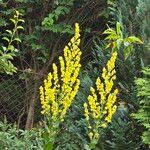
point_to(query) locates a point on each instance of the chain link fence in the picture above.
(15, 94)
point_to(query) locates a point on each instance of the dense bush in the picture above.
(13, 138)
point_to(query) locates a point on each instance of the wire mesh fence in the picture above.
(16, 93)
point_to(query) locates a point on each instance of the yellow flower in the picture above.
(104, 125)
(90, 135)
(86, 112)
(96, 135)
(89, 127)
(55, 73)
(62, 84)
(102, 100)
(107, 99)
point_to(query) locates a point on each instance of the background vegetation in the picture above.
(48, 27)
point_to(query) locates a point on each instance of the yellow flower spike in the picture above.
(55, 72)
(62, 66)
(62, 84)
(104, 73)
(113, 72)
(116, 91)
(102, 100)
(77, 30)
(86, 112)
(44, 101)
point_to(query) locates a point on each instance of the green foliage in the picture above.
(71, 134)
(143, 114)
(126, 13)
(62, 9)
(143, 15)
(60, 88)
(40, 47)
(116, 40)
(47, 28)
(7, 53)
(13, 138)
(122, 133)
(117, 134)
(133, 17)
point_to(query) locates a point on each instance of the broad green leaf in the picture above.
(133, 39)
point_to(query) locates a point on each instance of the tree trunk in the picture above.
(30, 116)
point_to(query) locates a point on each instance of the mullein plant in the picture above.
(60, 88)
(100, 105)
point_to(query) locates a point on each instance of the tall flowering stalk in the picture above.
(101, 106)
(60, 87)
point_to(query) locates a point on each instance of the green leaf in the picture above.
(13, 20)
(17, 39)
(112, 37)
(11, 48)
(133, 39)
(21, 20)
(6, 39)
(20, 27)
(118, 28)
(17, 12)
(9, 31)
(109, 31)
(7, 56)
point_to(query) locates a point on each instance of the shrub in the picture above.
(143, 114)
(13, 138)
